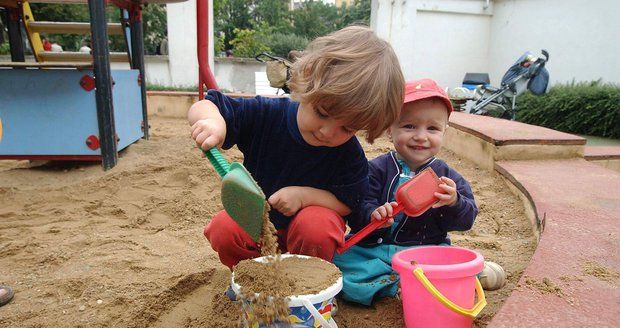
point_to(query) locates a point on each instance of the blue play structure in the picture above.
(47, 114)
(71, 105)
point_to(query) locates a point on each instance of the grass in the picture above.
(192, 88)
(158, 87)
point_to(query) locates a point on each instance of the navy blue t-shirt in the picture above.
(266, 132)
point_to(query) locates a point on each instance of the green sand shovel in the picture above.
(243, 199)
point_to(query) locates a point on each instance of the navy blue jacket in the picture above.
(429, 228)
(274, 152)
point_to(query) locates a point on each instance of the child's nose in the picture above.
(420, 135)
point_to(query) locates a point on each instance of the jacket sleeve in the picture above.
(372, 199)
(460, 216)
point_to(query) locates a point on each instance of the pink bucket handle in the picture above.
(472, 313)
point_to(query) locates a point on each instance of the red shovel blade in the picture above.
(415, 197)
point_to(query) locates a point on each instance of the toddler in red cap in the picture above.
(417, 136)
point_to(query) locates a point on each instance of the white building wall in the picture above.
(437, 39)
(237, 74)
(182, 48)
(443, 39)
(448, 45)
(582, 37)
(158, 70)
(231, 74)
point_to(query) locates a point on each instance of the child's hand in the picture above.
(384, 211)
(449, 196)
(208, 133)
(286, 200)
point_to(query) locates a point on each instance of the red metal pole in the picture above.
(202, 25)
(201, 88)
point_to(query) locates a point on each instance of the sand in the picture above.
(84, 247)
(296, 276)
(275, 280)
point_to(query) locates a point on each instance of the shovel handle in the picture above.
(218, 161)
(372, 226)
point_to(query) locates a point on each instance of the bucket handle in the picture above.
(472, 313)
(315, 313)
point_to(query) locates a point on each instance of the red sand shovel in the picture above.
(414, 197)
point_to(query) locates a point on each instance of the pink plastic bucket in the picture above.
(439, 285)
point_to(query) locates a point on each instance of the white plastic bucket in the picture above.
(305, 310)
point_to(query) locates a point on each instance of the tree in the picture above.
(269, 22)
(231, 14)
(358, 13)
(247, 43)
(155, 24)
(315, 19)
(274, 13)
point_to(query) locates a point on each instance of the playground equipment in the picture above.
(70, 105)
(205, 75)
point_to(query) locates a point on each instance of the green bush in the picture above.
(248, 43)
(281, 43)
(591, 108)
(218, 44)
(5, 48)
(159, 87)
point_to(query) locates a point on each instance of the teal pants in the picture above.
(367, 272)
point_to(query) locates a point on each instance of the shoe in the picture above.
(492, 277)
(230, 293)
(6, 295)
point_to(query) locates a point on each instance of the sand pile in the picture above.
(275, 280)
(269, 306)
(296, 276)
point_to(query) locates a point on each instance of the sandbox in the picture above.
(83, 247)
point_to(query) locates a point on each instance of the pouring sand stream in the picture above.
(277, 279)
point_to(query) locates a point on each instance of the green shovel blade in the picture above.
(243, 200)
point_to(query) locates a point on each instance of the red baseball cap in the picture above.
(426, 88)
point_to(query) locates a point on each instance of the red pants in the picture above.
(315, 231)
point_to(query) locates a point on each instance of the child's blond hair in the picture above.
(352, 75)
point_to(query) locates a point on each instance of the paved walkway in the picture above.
(573, 279)
(504, 132)
(574, 275)
(602, 152)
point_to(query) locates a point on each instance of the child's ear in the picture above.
(389, 134)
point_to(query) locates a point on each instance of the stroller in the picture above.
(279, 69)
(527, 73)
